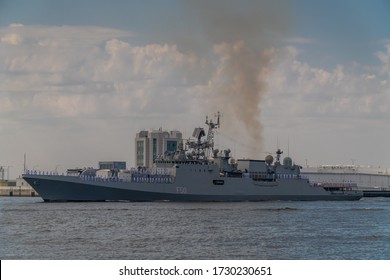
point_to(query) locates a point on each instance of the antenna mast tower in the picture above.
(210, 133)
(202, 150)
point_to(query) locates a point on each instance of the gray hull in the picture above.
(71, 188)
(188, 174)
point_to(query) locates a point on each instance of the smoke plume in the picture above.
(243, 34)
(238, 86)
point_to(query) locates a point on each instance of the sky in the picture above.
(78, 79)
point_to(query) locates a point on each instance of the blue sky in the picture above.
(344, 30)
(340, 30)
(314, 72)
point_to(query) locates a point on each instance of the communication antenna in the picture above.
(288, 146)
(211, 132)
(202, 150)
(278, 154)
(24, 164)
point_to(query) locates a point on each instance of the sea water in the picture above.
(278, 230)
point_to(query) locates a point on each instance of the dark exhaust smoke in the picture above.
(244, 34)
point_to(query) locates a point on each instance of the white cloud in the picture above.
(345, 91)
(331, 115)
(61, 69)
(11, 39)
(58, 82)
(300, 40)
(384, 57)
(95, 88)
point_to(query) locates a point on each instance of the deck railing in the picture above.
(134, 177)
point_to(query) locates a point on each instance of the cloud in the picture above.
(345, 91)
(62, 86)
(300, 40)
(384, 57)
(330, 116)
(11, 39)
(89, 71)
(74, 87)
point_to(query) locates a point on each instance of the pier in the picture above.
(18, 187)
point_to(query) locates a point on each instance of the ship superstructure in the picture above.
(195, 172)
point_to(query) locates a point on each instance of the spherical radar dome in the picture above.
(287, 161)
(269, 159)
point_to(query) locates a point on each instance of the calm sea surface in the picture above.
(31, 229)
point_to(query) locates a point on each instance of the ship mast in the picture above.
(202, 150)
(279, 152)
(210, 133)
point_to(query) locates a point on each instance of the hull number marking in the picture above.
(181, 189)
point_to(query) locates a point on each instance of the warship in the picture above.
(194, 172)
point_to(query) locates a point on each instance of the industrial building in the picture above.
(18, 187)
(153, 144)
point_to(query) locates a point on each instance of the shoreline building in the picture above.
(373, 181)
(153, 144)
(18, 187)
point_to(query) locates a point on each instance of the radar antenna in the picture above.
(210, 134)
(278, 154)
(202, 150)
